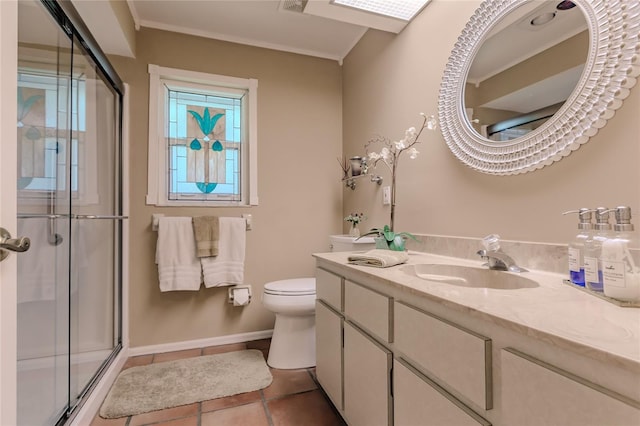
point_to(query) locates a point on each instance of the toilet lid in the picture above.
(293, 287)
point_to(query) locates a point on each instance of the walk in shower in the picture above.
(70, 206)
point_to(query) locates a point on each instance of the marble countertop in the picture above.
(554, 312)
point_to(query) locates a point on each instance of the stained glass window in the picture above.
(205, 145)
(202, 139)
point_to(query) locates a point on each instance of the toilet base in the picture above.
(293, 344)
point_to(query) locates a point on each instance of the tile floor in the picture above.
(294, 398)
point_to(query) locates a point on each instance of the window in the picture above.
(202, 139)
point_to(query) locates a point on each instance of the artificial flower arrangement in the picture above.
(355, 219)
(389, 155)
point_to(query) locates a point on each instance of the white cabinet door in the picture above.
(367, 369)
(329, 352)
(419, 401)
(535, 393)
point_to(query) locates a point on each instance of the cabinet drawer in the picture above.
(329, 288)
(455, 357)
(536, 393)
(419, 401)
(370, 310)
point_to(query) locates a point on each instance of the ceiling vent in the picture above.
(293, 5)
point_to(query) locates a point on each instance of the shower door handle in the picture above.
(12, 244)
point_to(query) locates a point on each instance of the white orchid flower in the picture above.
(373, 156)
(400, 144)
(432, 123)
(385, 153)
(413, 153)
(410, 132)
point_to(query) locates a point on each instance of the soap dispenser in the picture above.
(621, 275)
(593, 250)
(576, 247)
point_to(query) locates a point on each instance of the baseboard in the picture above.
(94, 400)
(200, 343)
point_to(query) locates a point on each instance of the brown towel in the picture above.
(206, 232)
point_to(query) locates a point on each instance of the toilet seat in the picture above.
(292, 287)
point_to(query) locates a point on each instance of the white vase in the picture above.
(354, 231)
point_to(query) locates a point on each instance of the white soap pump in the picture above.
(593, 250)
(576, 247)
(621, 272)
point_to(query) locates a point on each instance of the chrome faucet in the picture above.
(495, 257)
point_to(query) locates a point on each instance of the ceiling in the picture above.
(322, 29)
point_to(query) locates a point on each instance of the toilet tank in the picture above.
(349, 243)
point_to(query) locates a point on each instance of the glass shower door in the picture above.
(44, 102)
(96, 223)
(69, 205)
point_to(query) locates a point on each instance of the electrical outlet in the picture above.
(386, 195)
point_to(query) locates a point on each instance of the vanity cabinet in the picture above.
(537, 393)
(355, 359)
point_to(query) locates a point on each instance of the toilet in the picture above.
(293, 344)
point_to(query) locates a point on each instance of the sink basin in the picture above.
(467, 276)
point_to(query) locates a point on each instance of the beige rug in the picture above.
(173, 383)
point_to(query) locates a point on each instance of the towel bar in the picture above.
(155, 218)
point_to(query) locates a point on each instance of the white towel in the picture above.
(178, 266)
(379, 258)
(228, 267)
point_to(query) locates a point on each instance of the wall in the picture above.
(388, 80)
(299, 128)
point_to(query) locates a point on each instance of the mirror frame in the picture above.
(610, 71)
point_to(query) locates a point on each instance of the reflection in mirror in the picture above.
(525, 69)
(610, 70)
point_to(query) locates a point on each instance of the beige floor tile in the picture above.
(211, 350)
(99, 421)
(171, 356)
(230, 401)
(137, 361)
(185, 421)
(165, 415)
(244, 415)
(259, 344)
(286, 382)
(309, 408)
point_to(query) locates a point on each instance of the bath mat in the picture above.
(185, 381)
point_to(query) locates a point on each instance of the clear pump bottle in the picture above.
(593, 250)
(620, 263)
(576, 247)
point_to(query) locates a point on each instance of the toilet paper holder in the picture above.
(232, 299)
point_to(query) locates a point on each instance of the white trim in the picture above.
(8, 203)
(201, 343)
(236, 39)
(157, 162)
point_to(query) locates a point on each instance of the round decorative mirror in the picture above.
(529, 81)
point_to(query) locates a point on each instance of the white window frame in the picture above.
(157, 178)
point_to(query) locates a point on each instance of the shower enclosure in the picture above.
(69, 205)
